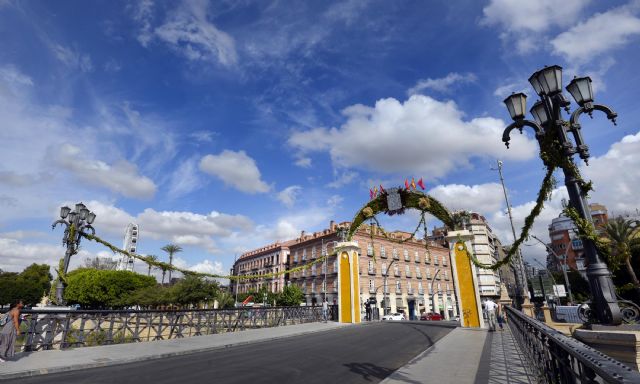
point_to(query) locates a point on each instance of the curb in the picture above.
(137, 359)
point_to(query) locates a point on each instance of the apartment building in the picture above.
(272, 258)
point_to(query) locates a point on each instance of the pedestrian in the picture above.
(490, 308)
(10, 330)
(501, 321)
(325, 310)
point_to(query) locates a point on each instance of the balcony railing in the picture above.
(408, 274)
(383, 255)
(397, 273)
(419, 275)
(372, 271)
(553, 357)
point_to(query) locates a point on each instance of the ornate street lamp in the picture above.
(80, 220)
(548, 116)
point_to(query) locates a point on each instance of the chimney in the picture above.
(332, 225)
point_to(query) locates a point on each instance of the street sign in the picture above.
(559, 290)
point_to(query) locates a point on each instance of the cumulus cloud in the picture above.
(421, 135)
(601, 33)
(187, 31)
(184, 179)
(525, 22)
(617, 189)
(483, 198)
(16, 255)
(289, 195)
(121, 177)
(443, 84)
(236, 169)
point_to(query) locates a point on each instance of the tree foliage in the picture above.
(291, 295)
(93, 288)
(623, 237)
(28, 285)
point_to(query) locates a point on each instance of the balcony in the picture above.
(396, 273)
(398, 291)
(372, 289)
(417, 260)
(410, 291)
(408, 274)
(372, 271)
(383, 255)
(396, 257)
(418, 275)
(420, 291)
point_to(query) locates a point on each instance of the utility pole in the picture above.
(519, 266)
(433, 295)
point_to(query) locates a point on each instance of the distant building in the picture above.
(566, 243)
(130, 244)
(262, 261)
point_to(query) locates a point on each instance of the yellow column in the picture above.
(348, 283)
(465, 280)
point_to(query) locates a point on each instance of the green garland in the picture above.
(166, 266)
(586, 230)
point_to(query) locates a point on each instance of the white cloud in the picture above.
(203, 136)
(420, 136)
(616, 175)
(184, 179)
(342, 178)
(12, 75)
(601, 33)
(16, 255)
(289, 195)
(483, 198)
(122, 177)
(525, 22)
(72, 58)
(235, 169)
(532, 16)
(443, 84)
(188, 31)
(142, 12)
(335, 201)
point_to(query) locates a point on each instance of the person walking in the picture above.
(10, 331)
(490, 307)
(325, 310)
(500, 320)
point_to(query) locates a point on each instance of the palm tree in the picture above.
(624, 235)
(164, 272)
(151, 258)
(171, 249)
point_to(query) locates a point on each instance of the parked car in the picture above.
(431, 316)
(394, 316)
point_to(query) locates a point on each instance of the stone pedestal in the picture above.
(621, 345)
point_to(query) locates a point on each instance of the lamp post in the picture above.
(562, 264)
(517, 264)
(386, 287)
(431, 292)
(548, 116)
(76, 222)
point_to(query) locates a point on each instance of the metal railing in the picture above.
(64, 329)
(556, 358)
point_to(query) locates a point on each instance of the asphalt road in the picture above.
(360, 354)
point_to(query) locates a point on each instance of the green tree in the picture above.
(151, 297)
(291, 295)
(93, 288)
(28, 285)
(193, 290)
(623, 236)
(225, 299)
(171, 249)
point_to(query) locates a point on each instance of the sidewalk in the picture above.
(43, 362)
(467, 355)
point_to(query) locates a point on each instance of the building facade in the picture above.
(262, 261)
(566, 243)
(401, 277)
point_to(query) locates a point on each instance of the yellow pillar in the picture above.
(466, 284)
(348, 283)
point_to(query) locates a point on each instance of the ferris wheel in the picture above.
(130, 244)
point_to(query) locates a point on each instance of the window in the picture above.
(324, 266)
(439, 287)
(395, 253)
(313, 252)
(416, 256)
(324, 286)
(335, 285)
(405, 253)
(383, 252)
(398, 286)
(420, 290)
(576, 244)
(304, 254)
(409, 289)
(435, 260)
(418, 273)
(335, 265)
(324, 249)
(407, 271)
(384, 269)
(446, 275)
(428, 273)
(304, 272)
(372, 268)
(444, 261)
(313, 287)
(372, 286)
(370, 249)
(386, 287)
(396, 271)
(427, 260)
(313, 270)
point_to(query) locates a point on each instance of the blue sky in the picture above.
(223, 126)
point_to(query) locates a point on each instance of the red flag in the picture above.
(382, 189)
(413, 183)
(406, 183)
(370, 193)
(421, 184)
